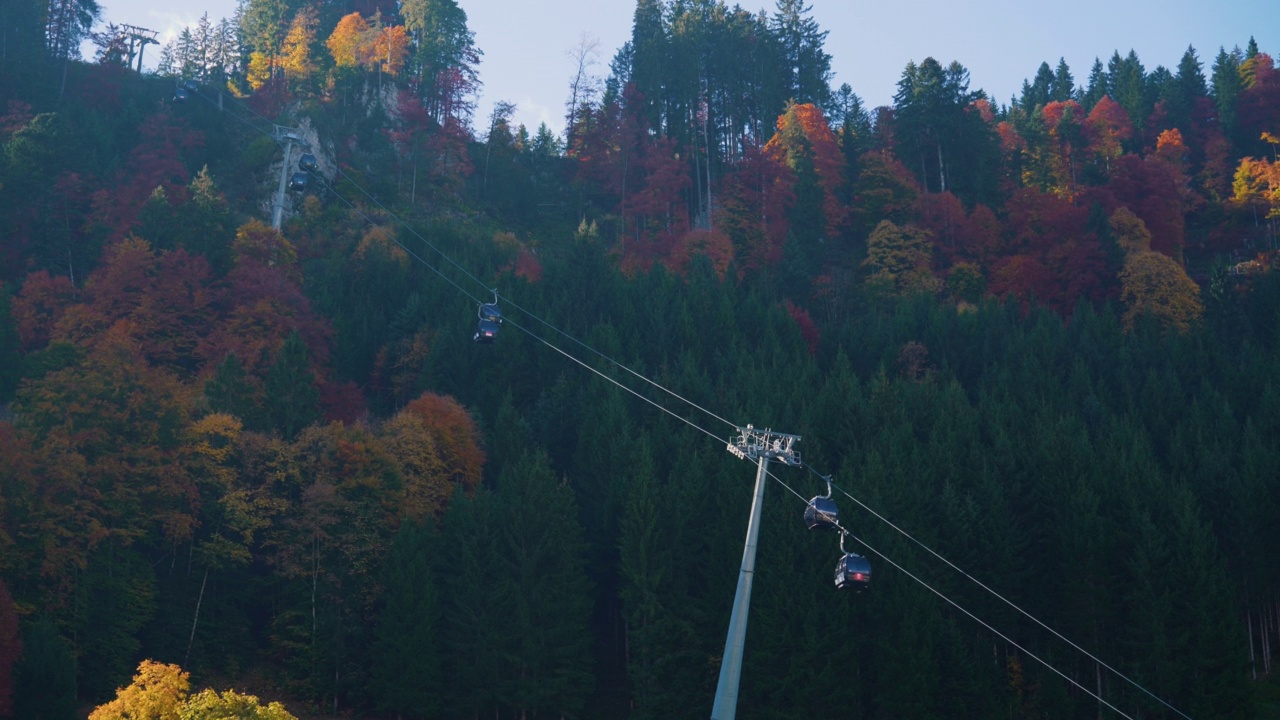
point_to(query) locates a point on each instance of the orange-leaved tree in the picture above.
(1257, 186)
(347, 41)
(457, 436)
(805, 143)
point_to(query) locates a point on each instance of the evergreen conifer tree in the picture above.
(292, 398)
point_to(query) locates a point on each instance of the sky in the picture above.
(528, 44)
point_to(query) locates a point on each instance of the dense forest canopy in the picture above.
(1040, 337)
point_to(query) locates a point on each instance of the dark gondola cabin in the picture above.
(307, 162)
(490, 318)
(180, 95)
(487, 332)
(821, 514)
(853, 572)
(298, 181)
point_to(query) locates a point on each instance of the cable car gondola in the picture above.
(853, 571)
(307, 162)
(180, 95)
(298, 181)
(490, 319)
(822, 512)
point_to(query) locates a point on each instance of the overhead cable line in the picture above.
(528, 332)
(957, 606)
(1000, 597)
(412, 230)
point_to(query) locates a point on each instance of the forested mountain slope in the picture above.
(1041, 338)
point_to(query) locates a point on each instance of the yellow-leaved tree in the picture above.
(1152, 283)
(295, 55)
(1257, 187)
(160, 692)
(899, 259)
(212, 705)
(346, 43)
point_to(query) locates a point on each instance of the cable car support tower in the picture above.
(760, 446)
(288, 137)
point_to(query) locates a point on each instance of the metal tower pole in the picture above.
(278, 214)
(726, 703)
(761, 446)
(287, 137)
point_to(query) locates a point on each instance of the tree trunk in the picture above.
(942, 174)
(1253, 667)
(195, 618)
(1097, 678)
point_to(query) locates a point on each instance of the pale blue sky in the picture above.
(527, 43)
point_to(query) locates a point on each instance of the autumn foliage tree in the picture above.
(1049, 253)
(456, 435)
(156, 693)
(1154, 285)
(899, 258)
(1065, 123)
(805, 144)
(1256, 187)
(752, 210)
(354, 43)
(1106, 129)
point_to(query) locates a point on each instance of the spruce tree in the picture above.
(1097, 87)
(407, 672)
(230, 391)
(543, 564)
(292, 399)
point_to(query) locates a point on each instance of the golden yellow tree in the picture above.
(346, 43)
(261, 66)
(899, 258)
(211, 705)
(295, 54)
(158, 692)
(1155, 285)
(1257, 183)
(427, 484)
(1152, 283)
(258, 242)
(1130, 232)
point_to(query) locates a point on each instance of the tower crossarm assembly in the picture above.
(753, 444)
(139, 38)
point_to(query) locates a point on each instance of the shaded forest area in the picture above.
(1040, 337)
